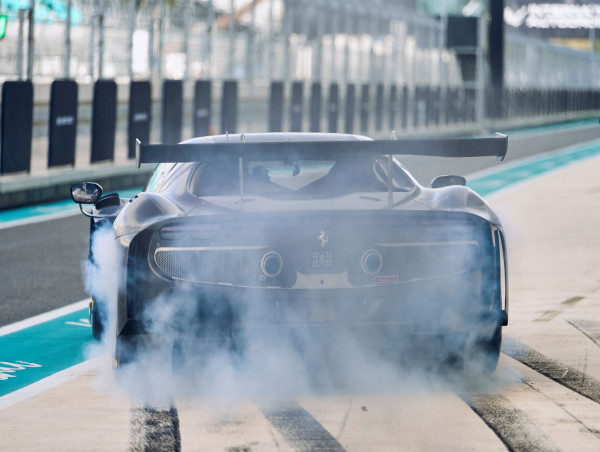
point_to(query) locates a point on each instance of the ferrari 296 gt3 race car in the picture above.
(312, 231)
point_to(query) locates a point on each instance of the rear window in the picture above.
(296, 177)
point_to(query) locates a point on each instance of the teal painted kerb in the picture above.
(34, 353)
(568, 125)
(526, 169)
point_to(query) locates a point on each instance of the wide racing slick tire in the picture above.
(127, 350)
(96, 319)
(139, 349)
(483, 351)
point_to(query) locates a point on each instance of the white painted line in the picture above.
(45, 317)
(50, 382)
(39, 219)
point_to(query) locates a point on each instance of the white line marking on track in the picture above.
(45, 317)
(50, 382)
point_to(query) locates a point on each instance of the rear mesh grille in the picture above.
(420, 261)
(225, 266)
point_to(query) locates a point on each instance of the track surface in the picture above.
(545, 394)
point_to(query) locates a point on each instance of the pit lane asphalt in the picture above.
(41, 263)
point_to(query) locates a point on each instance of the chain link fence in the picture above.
(248, 40)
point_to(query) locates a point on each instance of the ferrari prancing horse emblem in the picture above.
(323, 239)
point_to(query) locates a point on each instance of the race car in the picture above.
(311, 231)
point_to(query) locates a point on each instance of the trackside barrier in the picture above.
(296, 107)
(63, 123)
(418, 107)
(364, 108)
(315, 107)
(436, 102)
(276, 107)
(172, 111)
(429, 106)
(379, 107)
(229, 103)
(350, 108)
(16, 126)
(404, 108)
(202, 107)
(496, 98)
(469, 104)
(462, 104)
(451, 105)
(333, 108)
(104, 121)
(140, 115)
(393, 107)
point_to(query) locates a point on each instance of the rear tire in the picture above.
(483, 352)
(127, 349)
(96, 320)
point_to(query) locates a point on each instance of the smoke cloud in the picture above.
(267, 364)
(202, 344)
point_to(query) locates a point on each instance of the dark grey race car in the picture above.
(307, 230)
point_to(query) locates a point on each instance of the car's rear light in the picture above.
(177, 232)
(386, 280)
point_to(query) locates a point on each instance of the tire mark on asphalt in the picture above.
(155, 430)
(300, 429)
(588, 328)
(550, 315)
(512, 426)
(526, 381)
(572, 301)
(565, 375)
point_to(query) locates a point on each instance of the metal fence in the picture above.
(349, 41)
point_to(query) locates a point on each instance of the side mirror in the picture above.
(446, 181)
(86, 192)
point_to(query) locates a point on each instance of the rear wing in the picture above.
(495, 146)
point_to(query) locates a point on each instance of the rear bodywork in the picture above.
(404, 259)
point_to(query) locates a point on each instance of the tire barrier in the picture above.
(62, 127)
(229, 106)
(296, 107)
(172, 111)
(16, 126)
(333, 108)
(202, 108)
(315, 107)
(470, 104)
(379, 107)
(419, 107)
(393, 107)
(139, 116)
(104, 121)
(350, 111)
(451, 109)
(364, 108)
(402, 108)
(434, 103)
(276, 107)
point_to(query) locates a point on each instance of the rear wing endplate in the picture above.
(495, 146)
